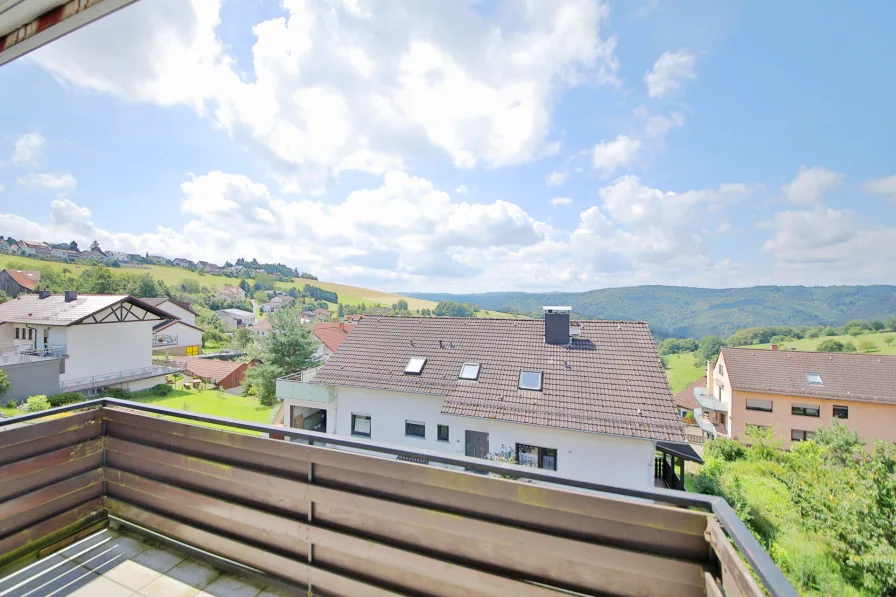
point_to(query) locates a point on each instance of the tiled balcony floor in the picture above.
(115, 563)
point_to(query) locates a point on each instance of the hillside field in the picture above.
(682, 372)
(348, 295)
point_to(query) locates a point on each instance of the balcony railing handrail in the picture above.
(28, 347)
(769, 574)
(120, 376)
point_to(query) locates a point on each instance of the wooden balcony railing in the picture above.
(337, 522)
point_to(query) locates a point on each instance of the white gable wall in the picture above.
(178, 312)
(591, 457)
(102, 348)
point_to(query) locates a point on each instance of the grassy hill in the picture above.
(348, 295)
(695, 312)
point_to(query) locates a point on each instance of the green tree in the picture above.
(98, 280)
(190, 286)
(888, 339)
(261, 296)
(866, 345)
(830, 346)
(244, 285)
(4, 383)
(340, 311)
(265, 282)
(841, 443)
(876, 325)
(293, 292)
(708, 348)
(288, 347)
(95, 246)
(849, 347)
(243, 338)
(146, 287)
(208, 319)
(400, 305)
(3, 297)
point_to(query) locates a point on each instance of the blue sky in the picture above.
(469, 146)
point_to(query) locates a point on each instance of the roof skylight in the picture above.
(814, 379)
(469, 371)
(415, 365)
(530, 380)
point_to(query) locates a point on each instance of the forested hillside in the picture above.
(695, 312)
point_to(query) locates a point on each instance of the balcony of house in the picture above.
(298, 387)
(306, 519)
(708, 402)
(20, 353)
(117, 378)
(163, 340)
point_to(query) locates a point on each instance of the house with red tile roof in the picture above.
(331, 336)
(225, 374)
(17, 281)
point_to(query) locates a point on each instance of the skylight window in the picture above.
(415, 365)
(530, 380)
(814, 379)
(469, 371)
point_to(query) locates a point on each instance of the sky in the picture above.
(469, 146)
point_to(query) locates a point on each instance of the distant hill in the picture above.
(694, 312)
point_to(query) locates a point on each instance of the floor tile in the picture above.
(108, 553)
(275, 592)
(165, 586)
(44, 580)
(100, 587)
(196, 574)
(132, 575)
(160, 559)
(229, 586)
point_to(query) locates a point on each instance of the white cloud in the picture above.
(882, 186)
(827, 246)
(48, 180)
(27, 149)
(355, 86)
(609, 156)
(669, 72)
(461, 190)
(810, 184)
(557, 178)
(561, 201)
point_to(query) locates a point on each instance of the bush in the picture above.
(866, 345)
(726, 450)
(36, 404)
(830, 346)
(116, 393)
(66, 398)
(4, 383)
(10, 404)
(849, 347)
(161, 389)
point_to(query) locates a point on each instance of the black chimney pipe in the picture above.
(71, 295)
(556, 325)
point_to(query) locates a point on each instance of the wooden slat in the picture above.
(27, 509)
(232, 482)
(654, 529)
(252, 525)
(552, 559)
(17, 478)
(712, 587)
(32, 440)
(736, 579)
(231, 448)
(50, 531)
(288, 569)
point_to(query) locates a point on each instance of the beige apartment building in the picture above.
(794, 393)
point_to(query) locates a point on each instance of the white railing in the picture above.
(25, 352)
(297, 387)
(111, 379)
(164, 340)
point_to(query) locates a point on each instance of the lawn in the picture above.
(215, 403)
(682, 372)
(810, 344)
(348, 295)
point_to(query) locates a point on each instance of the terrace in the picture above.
(318, 518)
(17, 354)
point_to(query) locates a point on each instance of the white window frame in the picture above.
(464, 366)
(540, 380)
(820, 381)
(412, 369)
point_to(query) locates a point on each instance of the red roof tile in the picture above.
(25, 278)
(685, 398)
(212, 369)
(331, 334)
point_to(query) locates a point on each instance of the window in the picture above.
(534, 456)
(805, 410)
(17, 334)
(415, 365)
(722, 370)
(841, 412)
(814, 379)
(530, 380)
(443, 433)
(757, 404)
(415, 429)
(798, 435)
(469, 371)
(361, 425)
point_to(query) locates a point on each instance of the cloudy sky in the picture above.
(469, 146)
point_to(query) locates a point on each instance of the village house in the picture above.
(157, 260)
(106, 340)
(178, 336)
(231, 293)
(226, 375)
(17, 281)
(793, 393)
(236, 318)
(34, 249)
(185, 263)
(331, 335)
(209, 268)
(588, 399)
(64, 254)
(280, 300)
(4, 245)
(262, 328)
(119, 256)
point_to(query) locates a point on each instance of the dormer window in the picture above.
(415, 366)
(531, 380)
(469, 371)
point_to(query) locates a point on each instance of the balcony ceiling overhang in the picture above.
(26, 25)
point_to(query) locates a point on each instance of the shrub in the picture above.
(161, 389)
(866, 345)
(116, 393)
(36, 403)
(727, 450)
(10, 404)
(4, 383)
(830, 346)
(66, 398)
(849, 347)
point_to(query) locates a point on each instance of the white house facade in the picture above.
(236, 318)
(588, 400)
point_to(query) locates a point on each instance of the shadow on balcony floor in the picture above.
(116, 563)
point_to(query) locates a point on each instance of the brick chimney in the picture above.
(774, 347)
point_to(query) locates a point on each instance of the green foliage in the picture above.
(293, 293)
(190, 286)
(849, 347)
(10, 404)
(243, 338)
(289, 347)
(830, 346)
(212, 335)
(888, 339)
(866, 345)
(116, 393)
(678, 345)
(208, 319)
(3, 297)
(320, 294)
(244, 286)
(35, 404)
(66, 398)
(709, 348)
(340, 312)
(400, 305)
(724, 449)
(4, 383)
(260, 297)
(453, 309)
(265, 282)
